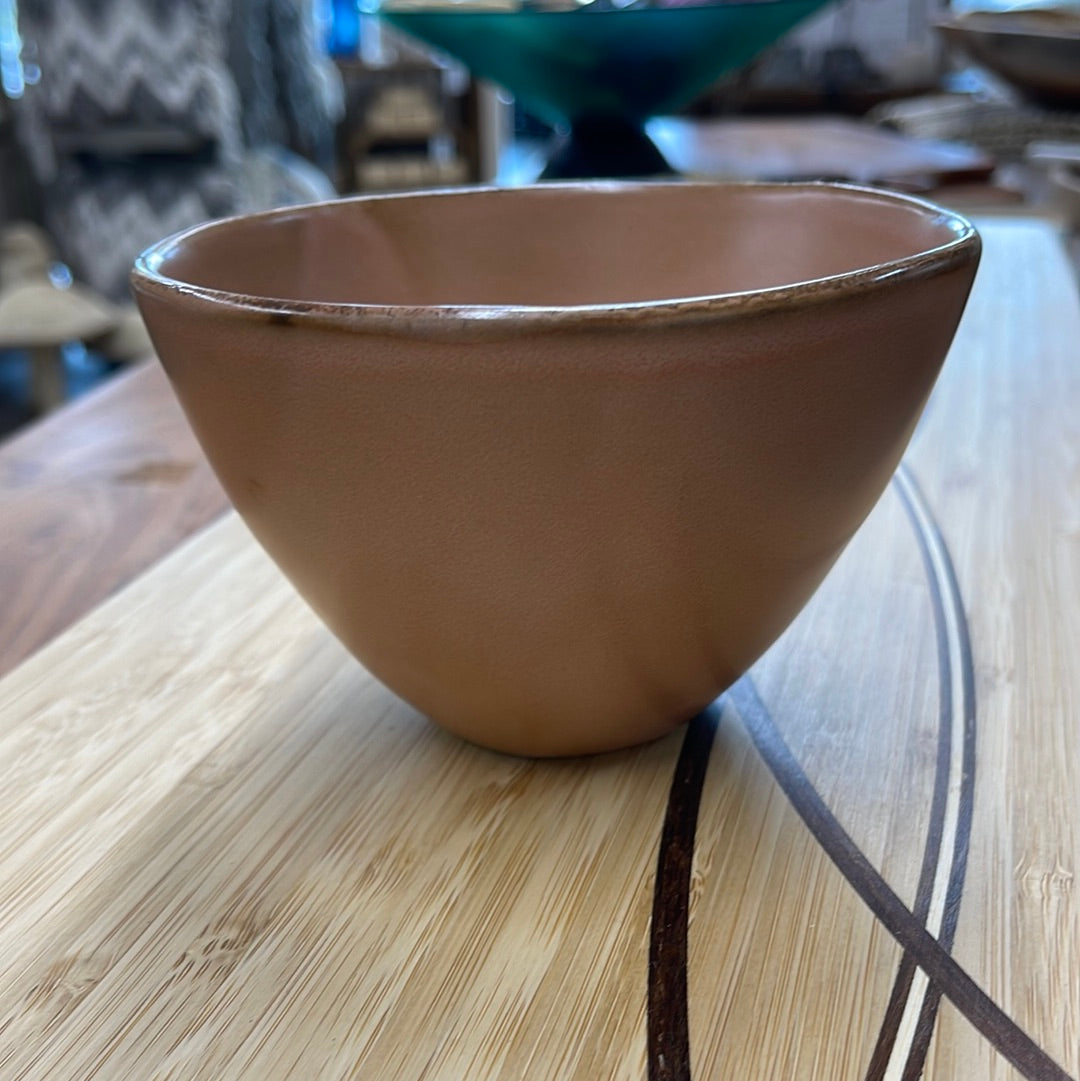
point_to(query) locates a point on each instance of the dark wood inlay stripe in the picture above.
(667, 1019)
(898, 999)
(988, 1018)
(945, 593)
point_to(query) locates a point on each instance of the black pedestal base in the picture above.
(599, 149)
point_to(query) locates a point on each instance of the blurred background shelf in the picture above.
(117, 127)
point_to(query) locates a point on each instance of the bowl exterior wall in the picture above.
(567, 541)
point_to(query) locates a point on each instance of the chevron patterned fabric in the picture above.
(137, 67)
(137, 127)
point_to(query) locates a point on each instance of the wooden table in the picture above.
(226, 852)
(89, 498)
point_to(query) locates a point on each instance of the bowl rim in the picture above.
(962, 248)
(1014, 23)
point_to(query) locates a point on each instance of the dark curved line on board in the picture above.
(939, 589)
(944, 588)
(1007, 1037)
(667, 1016)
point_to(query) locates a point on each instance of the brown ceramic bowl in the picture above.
(1037, 51)
(557, 464)
(1065, 184)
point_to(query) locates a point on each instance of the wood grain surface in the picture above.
(90, 497)
(226, 852)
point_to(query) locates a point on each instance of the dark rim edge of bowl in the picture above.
(961, 249)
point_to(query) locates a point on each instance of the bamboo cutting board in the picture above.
(226, 852)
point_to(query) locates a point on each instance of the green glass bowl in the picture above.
(604, 71)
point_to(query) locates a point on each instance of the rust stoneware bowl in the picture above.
(557, 464)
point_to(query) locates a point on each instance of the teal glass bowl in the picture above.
(603, 71)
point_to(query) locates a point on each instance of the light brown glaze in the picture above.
(558, 464)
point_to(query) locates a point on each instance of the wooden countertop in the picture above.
(226, 852)
(90, 497)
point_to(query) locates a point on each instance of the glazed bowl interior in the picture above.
(554, 247)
